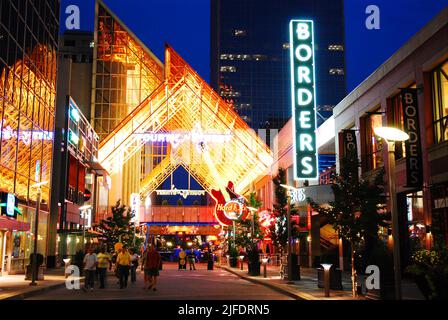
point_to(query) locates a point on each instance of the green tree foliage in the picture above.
(279, 231)
(245, 236)
(356, 211)
(119, 228)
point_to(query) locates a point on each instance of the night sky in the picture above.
(185, 24)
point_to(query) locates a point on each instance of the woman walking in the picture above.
(151, 265)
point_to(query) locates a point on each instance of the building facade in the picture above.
(28, 45)
(250, 56)
(410, 92)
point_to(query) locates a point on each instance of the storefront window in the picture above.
(415, 218)
(440, 103)
(373, 154)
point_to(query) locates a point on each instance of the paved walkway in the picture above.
(173, 284)
(16, 287)
(307, 289)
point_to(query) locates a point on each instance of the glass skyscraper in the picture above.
(28, 45)
(250, 56)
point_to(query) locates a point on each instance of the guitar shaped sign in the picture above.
(228, 211)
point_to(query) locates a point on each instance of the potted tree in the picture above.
(233, 257)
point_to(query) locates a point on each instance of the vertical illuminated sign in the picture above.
(303, 98)
(10, 205)
(135, 207)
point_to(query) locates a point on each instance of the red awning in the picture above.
(12, 224)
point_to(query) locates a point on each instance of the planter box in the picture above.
(254, 269)
(233, 262)
(335, 278)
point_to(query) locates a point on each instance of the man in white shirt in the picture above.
(90, 262)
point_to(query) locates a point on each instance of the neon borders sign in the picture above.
(303, 99)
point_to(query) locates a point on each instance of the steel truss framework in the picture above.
(184, 102)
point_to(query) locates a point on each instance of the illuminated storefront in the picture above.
(27, 105)
(409, 92)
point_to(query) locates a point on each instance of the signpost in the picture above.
(303, 99)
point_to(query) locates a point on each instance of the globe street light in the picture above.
(34, 271)
(392, 135)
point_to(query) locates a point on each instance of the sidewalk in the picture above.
(16, 287)
(306, 288)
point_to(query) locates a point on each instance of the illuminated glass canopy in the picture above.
(184, 102)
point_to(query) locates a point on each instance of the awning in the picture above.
(12, 224)
(98, 168)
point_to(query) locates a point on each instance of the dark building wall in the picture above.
(250, 64)
(75, 46)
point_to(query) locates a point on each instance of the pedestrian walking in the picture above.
(191, 259)
(104, 262)
(123, 266)
(151, 264)
(134, 265)
(90, 263)
(182, 260)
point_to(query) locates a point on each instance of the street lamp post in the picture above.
(288, 222)
(34, 271)
(84, 209)
(391, 135)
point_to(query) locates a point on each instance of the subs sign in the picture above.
(303, 98)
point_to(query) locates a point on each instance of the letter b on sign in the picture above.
(303, 31)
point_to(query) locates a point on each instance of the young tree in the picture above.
(279, 231)
(119, 228)
(355, 213)
(249, 230)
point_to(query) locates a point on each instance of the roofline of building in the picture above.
(137, 39)
(429, 30)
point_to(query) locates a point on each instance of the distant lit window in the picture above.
(239, 32)
(260, 57)
(92, 44)
(336, 47)
(245, 105)
(227, 69)
(230, 56)
(336, 71)
(286, 46)
(325, 107)
(230, 93)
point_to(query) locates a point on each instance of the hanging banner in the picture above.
(303, 99)
(348, 138)
(414, 165)
(348, 146)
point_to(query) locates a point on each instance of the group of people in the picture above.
(125, 261)
(187, 256)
